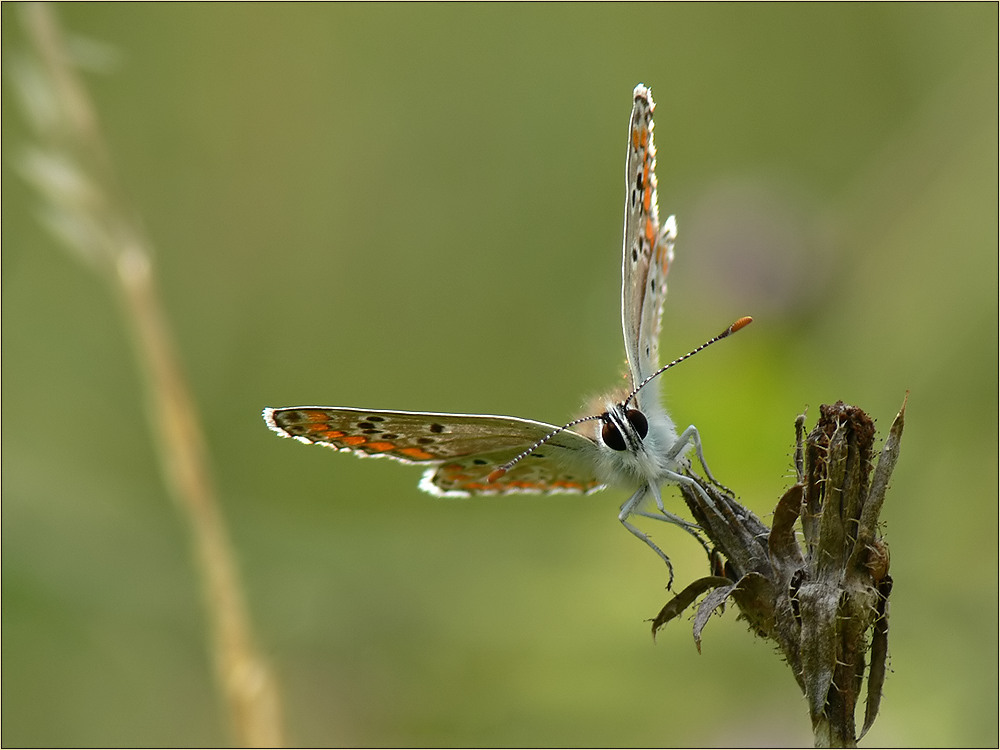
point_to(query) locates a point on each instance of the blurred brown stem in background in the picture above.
(72, 170)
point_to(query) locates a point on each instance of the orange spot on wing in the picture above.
(650, 231)
(416, 453)
(320, 428)
(663, 258)
(635, 138)
(455, 473)
(352, 439)
(380, 446)
(316, 417)
(568, 485)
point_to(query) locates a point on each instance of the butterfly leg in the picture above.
(631, 507)
(666, 515)
(690, 436)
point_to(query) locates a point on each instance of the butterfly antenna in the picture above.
(501, 470)
(741, 323)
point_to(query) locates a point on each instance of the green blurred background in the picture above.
(420, 207)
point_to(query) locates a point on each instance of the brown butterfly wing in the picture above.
(461, 449)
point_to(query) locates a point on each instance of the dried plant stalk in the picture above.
(71, 169)
(824, 602)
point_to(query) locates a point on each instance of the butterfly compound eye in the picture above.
(612, 437)
(638, 420)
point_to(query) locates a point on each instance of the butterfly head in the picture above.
(623, 428)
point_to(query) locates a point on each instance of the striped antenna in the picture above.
(741, 323)
(501, 470)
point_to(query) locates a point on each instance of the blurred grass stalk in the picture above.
(71, 168)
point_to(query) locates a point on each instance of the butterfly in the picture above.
(630, 441)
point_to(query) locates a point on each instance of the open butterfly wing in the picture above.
(648, 248)
(461, 450)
